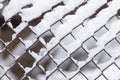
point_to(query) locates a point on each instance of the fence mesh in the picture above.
(28, 52)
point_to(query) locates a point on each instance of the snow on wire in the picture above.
(59, 39)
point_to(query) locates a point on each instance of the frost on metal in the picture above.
(59, 40)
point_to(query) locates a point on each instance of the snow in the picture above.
(106, 64)
(1, 5)
(2, 0)
(71, 21)
(39, 6)
(14, 7)
(112, 73)
(28, 42)
(53, 16)
(101, 78)
(57, 76)
(79, 17)
(59, 61)
(64, 29)
(20, 27)
(36, 56)
(42, 40)
(110, 34)
(96, 50)
(79, 76)
(92, 26)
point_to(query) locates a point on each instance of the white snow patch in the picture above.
(14, 7)
(112, 73)
(39, 6)
(1, 5)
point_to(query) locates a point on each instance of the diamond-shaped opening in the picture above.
(67, 40)
(80, 55)
(35, 73)
(112, 72)
(2, 45)
(56, 76)
(16, 20)
(112, 20)
(26, 60)
(16, 47)
(6, 59)
(113, 48)
(47, 36)
(101, 57)
(37, 46)
(58, 53)
(90, 43)
(76, 30)
(78, 76)
(68, 66)
(5, 78)
(55, 26)
(100, 32)
(27, 34)
(101, 78)
(90, 71)
(16, 72)
(46, 64)
(6, 33)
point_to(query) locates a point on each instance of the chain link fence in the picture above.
(26, 54)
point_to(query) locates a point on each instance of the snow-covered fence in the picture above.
(59, 39)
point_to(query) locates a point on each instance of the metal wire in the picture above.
(16, 58)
